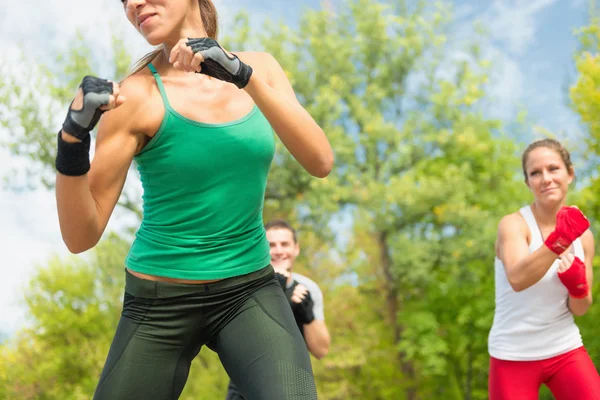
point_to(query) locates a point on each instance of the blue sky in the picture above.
(531, 43)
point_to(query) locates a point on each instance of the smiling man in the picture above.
(304, 295)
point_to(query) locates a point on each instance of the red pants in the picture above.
(569, 376)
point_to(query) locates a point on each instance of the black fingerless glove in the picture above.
(303, 311)
(218, 64)
(96, 93)
(73, 159)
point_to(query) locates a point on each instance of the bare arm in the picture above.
(316, 333)
(580, 306)
(523, 269)
(297, 130)
(317, 338)
(86, 202)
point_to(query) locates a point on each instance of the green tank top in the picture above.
(204, 187)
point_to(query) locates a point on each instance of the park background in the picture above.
(428, 106)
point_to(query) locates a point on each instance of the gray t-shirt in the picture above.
(315, 294)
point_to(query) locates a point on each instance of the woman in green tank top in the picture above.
(199, 122)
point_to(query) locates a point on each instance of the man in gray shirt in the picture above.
(304, 295)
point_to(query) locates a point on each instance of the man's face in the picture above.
(283, 248)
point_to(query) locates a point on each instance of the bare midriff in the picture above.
(170, 280)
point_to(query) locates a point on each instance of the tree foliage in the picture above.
(424, 177)
(584, 94)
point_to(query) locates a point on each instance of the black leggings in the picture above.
(233, 393)
(246, 320)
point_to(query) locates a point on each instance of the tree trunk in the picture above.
(393, 306)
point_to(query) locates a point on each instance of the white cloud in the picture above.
(522, 81)
(35, 22)
(508, 88)
(515, 22)
(512, 28)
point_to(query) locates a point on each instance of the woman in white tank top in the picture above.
(543, 276)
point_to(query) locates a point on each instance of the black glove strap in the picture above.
(216, 70)
(219, 64)
(73, 128)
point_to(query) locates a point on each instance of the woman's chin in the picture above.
(153, 40)
(153, 37)
(551, 201)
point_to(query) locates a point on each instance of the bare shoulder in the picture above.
(136, 88)
(259, 58)
(132, 117)
(587, 240)
(512, 223)
(262, 62)
(512, 228)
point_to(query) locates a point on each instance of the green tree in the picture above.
(72, 307)
(584, 94)
(424, 176)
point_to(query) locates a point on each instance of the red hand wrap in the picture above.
(575, 280)
(570, 224)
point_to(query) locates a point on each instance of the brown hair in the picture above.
(550, 144)
(210, 20)
(281, 224)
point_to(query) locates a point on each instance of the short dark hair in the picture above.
(281, 224)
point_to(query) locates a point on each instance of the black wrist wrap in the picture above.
(73, 159)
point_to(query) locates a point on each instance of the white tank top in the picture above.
(536, 323)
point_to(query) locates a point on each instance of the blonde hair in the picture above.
(210, 20)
